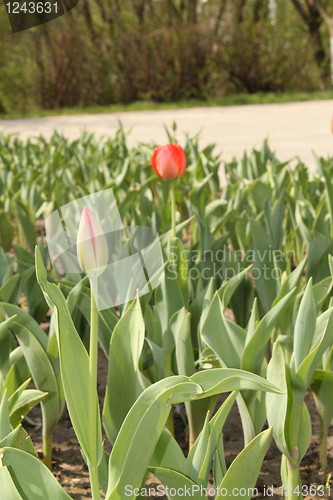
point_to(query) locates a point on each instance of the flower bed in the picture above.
(194, 293)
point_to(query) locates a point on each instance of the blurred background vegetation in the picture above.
(121, 51)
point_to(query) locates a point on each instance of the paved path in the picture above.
(293, 128)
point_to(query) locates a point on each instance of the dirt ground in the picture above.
(70, 470)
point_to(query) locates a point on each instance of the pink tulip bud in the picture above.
(92, 247)
(169, 161)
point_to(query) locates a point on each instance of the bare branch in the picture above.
(172, 7)
(223, 5)
(87, 15)
(192, 11)
(301, 10)
(324, 14)
(139, 7)
(240, 8)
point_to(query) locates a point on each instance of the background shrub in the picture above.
(259, 57)
(167, 50)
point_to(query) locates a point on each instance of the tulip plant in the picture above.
(93, 257)
(322, 385)
(169, 162)
(291, 368)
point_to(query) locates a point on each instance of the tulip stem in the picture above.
(294, 482)
(173, 209)
(167, 373)
(47, 451)
(94, 483)
(323, 435)
(93, 354)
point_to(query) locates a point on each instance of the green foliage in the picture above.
(161, 53)
(261, 57)
(245, 306)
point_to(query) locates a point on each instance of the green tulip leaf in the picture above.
(125, 381)
(74, 364)
(7, 485)
(30, 476)
(33, 342)
(254, 352)
(224, 337)
(220, 380)
(19, 438)
(107, 318)
(180, 483)
(305, 326)
(168, 453)
(244, 470)
(276, 404)
(141, 430)
(27, 400)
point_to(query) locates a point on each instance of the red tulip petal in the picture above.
(167, 161)
(153, 161)
(181, 160)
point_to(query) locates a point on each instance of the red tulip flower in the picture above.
(169, 162)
